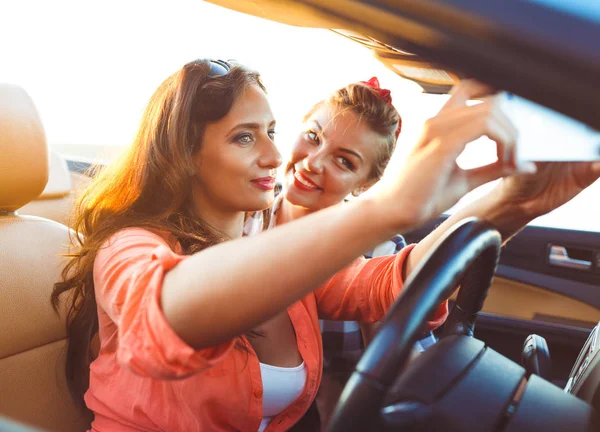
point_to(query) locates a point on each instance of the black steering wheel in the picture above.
(459, 384)
(467, 256)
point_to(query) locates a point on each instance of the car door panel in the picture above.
(515, 299)
(532, 295)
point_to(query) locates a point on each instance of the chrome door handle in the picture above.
(559, 257)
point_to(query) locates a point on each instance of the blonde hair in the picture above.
(380, 115)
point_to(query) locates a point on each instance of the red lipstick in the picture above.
(265, 183)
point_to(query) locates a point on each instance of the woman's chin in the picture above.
(299, 198)
(260, 203)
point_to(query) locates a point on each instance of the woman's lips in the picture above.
(303, 183)
(265, 183)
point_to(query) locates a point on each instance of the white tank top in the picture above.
(281, 387)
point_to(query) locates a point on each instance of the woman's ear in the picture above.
(365, 187)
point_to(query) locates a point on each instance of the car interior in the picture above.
(520, 349)
(32, 336)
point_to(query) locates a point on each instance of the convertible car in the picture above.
(520, 350)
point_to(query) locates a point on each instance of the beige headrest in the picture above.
(24, 161)
(59, 180)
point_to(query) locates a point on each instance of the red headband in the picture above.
(384, 94)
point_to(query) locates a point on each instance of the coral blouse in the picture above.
(146, 378)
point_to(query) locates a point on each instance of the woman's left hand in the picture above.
(517, 200)
(554, 184)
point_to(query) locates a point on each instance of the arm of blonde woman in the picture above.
(518, 199)
(230, 288)
(366, 289)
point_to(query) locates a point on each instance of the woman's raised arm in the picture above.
(230, 288)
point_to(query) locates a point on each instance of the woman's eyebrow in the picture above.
(345, 150)
(251, 125)
(352, 152)
(319, 127)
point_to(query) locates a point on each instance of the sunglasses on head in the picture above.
(219, 68)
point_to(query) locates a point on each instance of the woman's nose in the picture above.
(313, 163)
(270, 157)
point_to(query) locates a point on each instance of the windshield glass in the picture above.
(91, 67)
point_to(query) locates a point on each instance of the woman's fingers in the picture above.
(483, 121)
(459, 115)
(432, 181)
(506, 151)
(466, 90)
(498, 128)
(463, 125)
(481, 175)
(450, 119)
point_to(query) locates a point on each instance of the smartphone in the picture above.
(548, 136)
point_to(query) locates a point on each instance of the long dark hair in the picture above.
(148, 186)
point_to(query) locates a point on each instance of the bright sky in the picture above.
(91, 67)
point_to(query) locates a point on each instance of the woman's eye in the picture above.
(272, 134)
(245, 139)
(312, 136)
(346, 163)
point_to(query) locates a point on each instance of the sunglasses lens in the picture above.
(218, 67)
